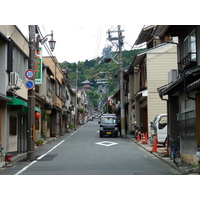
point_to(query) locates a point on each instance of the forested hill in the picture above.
(90, 70)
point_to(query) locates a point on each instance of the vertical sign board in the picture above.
(38, 66)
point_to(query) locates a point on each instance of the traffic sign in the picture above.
(29, 74)
(29, 84)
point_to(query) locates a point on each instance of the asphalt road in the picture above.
(83, 152)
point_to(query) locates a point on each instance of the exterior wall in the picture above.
(23, 92)
(135, 103)
(58, 76)
(3, 67)
(188, 146)
(12, 139)
(3, 84)
(13, 143)
(56, 115)
(4, 125)
(15, 34)
(182, 109)
(159, 62)
(131, 93)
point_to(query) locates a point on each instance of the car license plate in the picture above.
(108, 133)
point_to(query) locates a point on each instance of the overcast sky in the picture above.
(80, 42)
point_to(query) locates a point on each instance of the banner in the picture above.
(38, 66)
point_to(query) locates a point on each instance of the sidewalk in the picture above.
(184, 168)
(21, 156)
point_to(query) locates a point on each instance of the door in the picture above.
(22, 134)
(162, 129)
(144, 120)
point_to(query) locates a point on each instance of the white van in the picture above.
(159, 128)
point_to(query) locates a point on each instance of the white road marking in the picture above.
(106, 143)
(25, 168)
(35, 161)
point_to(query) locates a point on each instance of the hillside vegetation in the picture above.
(90, 70)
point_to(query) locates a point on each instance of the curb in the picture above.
(184, 172)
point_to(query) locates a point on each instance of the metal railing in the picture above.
(187, 127)
(188, 61)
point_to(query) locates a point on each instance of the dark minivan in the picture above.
(108, 125)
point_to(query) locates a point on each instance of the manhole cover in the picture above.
(48, 157)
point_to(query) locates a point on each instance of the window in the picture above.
(162, 122)
(20, 63)
(13, 125)
(187, 109)
(58, 89)
(108, 120)
(190, 46)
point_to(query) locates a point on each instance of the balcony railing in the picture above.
(187, 62)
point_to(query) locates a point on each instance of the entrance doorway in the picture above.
(144, 120)
(22, 134)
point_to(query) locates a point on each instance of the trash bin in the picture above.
(8, 157)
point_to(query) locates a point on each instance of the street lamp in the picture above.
(52, 42)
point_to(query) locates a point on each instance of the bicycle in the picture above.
(175, 153)
(137, 130)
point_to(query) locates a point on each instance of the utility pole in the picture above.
(120, 63)
(120, 42)
(31, 99)
(75, 120)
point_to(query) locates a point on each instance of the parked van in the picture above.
(108, 125)
(159, 128)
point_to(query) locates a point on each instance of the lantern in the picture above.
(37, 115)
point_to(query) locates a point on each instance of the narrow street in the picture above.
(82, 152)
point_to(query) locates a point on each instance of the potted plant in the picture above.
(53, 134)
(39, 142)
(70, 125)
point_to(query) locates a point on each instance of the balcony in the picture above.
(188, 62)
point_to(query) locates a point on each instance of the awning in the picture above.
(20, 102)
(145, 35)
(138, 59)
(179, 83)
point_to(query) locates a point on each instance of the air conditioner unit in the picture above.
(172, 75)
(15, 81)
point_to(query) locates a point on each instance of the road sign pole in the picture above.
(31, 99)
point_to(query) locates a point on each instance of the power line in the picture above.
(88, 31)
